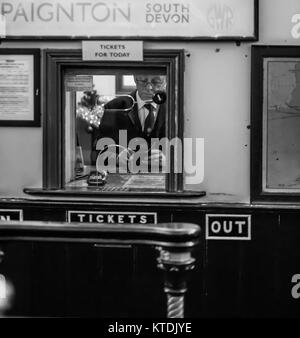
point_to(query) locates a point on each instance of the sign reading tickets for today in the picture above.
(129, 18)
(112, 50)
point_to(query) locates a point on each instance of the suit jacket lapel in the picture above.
(134, 115)
(160, 119)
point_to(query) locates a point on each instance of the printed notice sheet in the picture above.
(16, 88)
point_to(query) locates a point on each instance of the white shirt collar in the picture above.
(141, 103)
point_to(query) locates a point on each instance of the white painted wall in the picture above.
(217, 108)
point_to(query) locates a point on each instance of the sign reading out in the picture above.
(112, 217)
(11, 215)
(228, 227)
(112, 50)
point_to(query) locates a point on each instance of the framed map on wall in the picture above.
(276, 122)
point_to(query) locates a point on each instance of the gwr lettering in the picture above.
(220, 17)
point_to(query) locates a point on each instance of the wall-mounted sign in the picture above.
(111, 217)
(8, 215)
(228, 227)
(19, 87)
(112, 50)
(143, 19)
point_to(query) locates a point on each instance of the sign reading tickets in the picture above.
(112, 50)
(112, 217)
(189, 19)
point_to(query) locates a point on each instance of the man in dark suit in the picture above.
(137, 114)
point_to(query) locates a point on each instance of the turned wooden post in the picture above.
(176, 267)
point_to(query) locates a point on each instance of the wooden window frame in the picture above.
(56, 61)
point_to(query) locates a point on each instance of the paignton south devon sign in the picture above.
(131, 19)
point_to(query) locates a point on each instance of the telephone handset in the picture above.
(160, 97)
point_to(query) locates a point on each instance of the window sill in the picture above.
(94, 193)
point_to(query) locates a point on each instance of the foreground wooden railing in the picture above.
(174, 242)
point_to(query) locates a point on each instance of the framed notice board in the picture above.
(20, 87)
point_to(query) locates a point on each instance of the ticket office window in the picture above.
(106, 124)
(106, 121)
